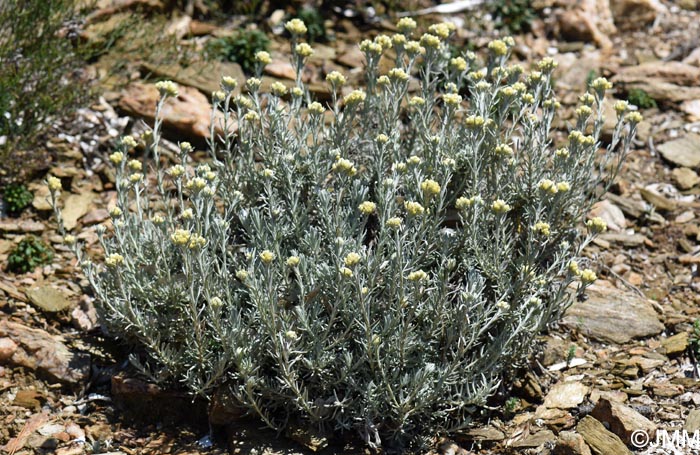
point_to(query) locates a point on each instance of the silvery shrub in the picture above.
(376, 263)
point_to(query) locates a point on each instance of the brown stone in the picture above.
(37, 350)
(664, 81)
(571, 443)
(634, 14)
(613, 315)
(684, 151)
(692, 421)
(566, 395)
(48, 299)
(676, 344)
(622, 420)
(188, 113)
(600, 440)
(588, 20)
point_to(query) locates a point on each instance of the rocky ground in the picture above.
(621, 361)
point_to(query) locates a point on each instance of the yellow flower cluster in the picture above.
(116, 158)
(500, 206)
(241, 274)
(335, 78)
(416, 101)
(418, 275)
(129, 141)
(601, 84)
(414, 208)
(578, 137)
(430, 41)
(293, 261)
(474, 121)
(452, 99)
(263, 57)
(398, 74)
(458, 64)
(278, 89)
(463, 203)
(344, 166)
(316, 108)
(588, 276)
(498, 47)
(354, 97)
(394, 222)
(228, 83)
(548, 186)
(296, 27)
(634, 117)
(406, 25)
(267, 256)
(430, 188)
(542, 228)
(54, 184)
(167, 88)
(352, 259)
(346, 272)
(115, 212)
(596, 225)
(303, 50)
(367, 207)
(503, 150)
(114, 260)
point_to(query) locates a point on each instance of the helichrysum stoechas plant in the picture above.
(376, 268)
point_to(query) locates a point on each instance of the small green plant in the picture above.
(511, 405)
(516, 16)
(641, 99)
(378, 269)
(29, 253)
(694, 340)
(314, 22)
(570, 353)
(240, 48)
(17, 197)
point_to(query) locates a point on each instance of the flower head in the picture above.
(263, 57)
(414, 208)
(354, 97)
(406, 25)
(129, 141)
(500, 206)
(394, 222)
(267, 256)
(418, 275)
(498, 47)
(293, 261)
(54, 184)
(278, 89)
(588, 276)
(542, 228)
(303, 50)
(228, 83)
(116, 158)
(352, 259)
(367, 207)
(596, 225)
(296, 27)
(114, 260)
(335, 78)
(167, 88)
(430, 188)
(346, 272)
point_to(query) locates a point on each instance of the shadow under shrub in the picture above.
(375, 265)
(39, 73)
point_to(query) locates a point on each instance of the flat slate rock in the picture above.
(601, 441)
(613, 316)
(683, 152)
(48, 299)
